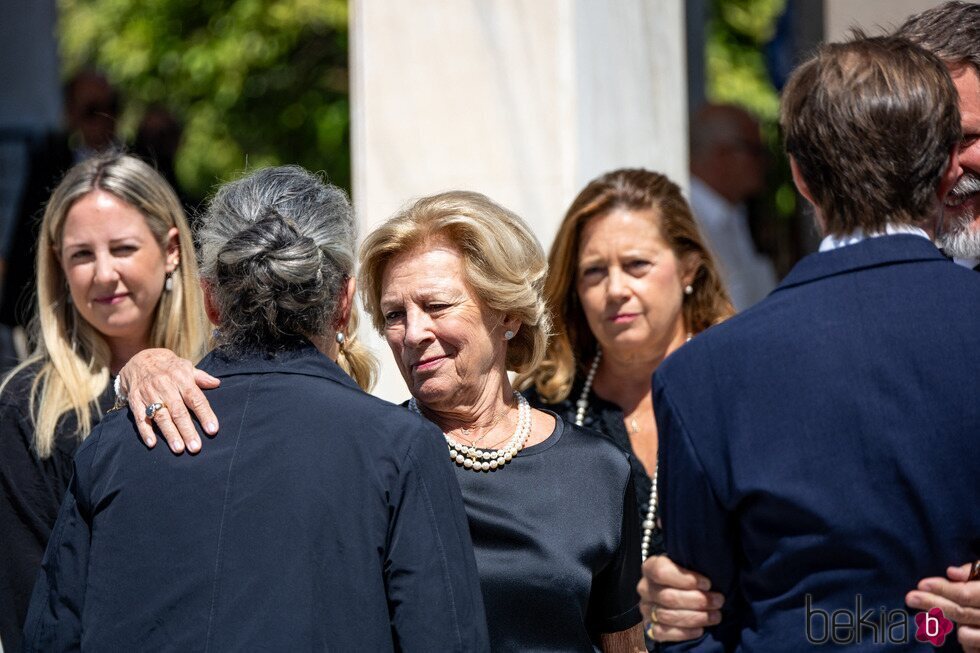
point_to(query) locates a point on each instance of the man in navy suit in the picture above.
(816, 451)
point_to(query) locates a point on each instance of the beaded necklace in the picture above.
(488, 460)
(581, 407)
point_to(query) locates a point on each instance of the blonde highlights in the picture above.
(503, 262)
(73, 357)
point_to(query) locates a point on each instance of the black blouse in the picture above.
(606, 418)
(31, 489)
(556, 538)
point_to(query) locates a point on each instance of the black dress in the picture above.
(606, 418)
(31, 490)
(557, 540)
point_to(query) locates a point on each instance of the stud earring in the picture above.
(339, 337)
(688, 289)
(168, 283)
(508, 334)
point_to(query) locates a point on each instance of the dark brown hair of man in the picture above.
(871, 124)
(950, 31)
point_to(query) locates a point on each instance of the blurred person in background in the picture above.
(728, 167)
(327, 518)
(116, 273)
(629, 282)
(92, 109)
(158, 138)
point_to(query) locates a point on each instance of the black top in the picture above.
(606, 418)
(321, 518)
(31, 489)
(556, 538)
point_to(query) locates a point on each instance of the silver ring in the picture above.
(152, 409)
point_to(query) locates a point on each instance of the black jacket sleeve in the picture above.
(54, 617)
(430, 569)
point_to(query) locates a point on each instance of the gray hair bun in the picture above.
(277, 247)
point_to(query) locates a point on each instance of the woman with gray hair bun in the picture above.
(454, 283)
(323, 518)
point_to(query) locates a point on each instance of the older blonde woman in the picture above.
(454, 282)
(116, 274)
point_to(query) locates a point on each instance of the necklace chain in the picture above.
(488, 460)
(581, 407)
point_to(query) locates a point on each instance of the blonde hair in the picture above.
(353, 357)
(502, 260)
(573, 345)
(73, 356)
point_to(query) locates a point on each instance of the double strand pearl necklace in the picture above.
(581, 407)
(488, 460)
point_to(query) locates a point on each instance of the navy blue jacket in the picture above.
(320, 518)
(824, 444)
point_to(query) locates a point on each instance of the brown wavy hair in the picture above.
(573, 346)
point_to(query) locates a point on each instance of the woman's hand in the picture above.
(675, 602)
(160, 376)
(958, 598)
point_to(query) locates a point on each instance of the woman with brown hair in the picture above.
(630, 280)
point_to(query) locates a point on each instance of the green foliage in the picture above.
(736, 74)
(736, 71)
(256, 82)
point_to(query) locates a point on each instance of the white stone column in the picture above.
(523, 100)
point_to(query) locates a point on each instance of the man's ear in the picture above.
(799, 181)
(951, 174)
(210, 308)
(801, 186)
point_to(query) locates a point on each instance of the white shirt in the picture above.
(967, 262)
(748, 275)
(856, 236)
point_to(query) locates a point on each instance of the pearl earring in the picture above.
(339, 337)
(168, 283)
(508, 334)
(688, 289)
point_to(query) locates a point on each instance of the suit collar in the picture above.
(869, 253)
(305, 360)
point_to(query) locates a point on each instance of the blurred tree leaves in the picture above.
(736, 70)
(255, 82)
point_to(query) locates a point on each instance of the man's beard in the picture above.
(957, 237)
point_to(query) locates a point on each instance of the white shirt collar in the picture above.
(967, 262)
(856, 236)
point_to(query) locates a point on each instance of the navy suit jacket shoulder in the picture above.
(318, 518)
(813, 448)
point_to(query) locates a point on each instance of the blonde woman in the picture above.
(116, 274)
